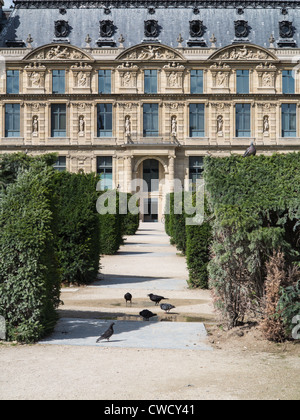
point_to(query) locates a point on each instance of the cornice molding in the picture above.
(107, 4)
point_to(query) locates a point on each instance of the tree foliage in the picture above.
(29, 275)
(256, 206)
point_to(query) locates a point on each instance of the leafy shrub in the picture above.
(111, 229)
(130, 221)
(78, 227)
(29, 278)
(282, 298)
(256, 206)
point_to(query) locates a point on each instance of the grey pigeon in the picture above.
(156, 298)
(167, 307)
(147, 314)
(251, 151)
(108, 333)
(128, 298)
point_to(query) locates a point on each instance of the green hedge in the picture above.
(111, 229)
(198, 242)
(130, 222)
(29, 277)
(78, 227)
(257, 208)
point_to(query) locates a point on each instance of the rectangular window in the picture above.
(104, 120)
(243, 120)
(12, 81)
(196, 81)
(105, 170)
(150, 81)
(242, 81)
(104, 81)
(288, 82)
(58, 81)
(197, 120)
(58, 120)
(12, 120)
(196, 167)
(150, 120)
(61, 164)
(289, 120)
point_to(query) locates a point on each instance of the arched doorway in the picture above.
(151, 178)
(152, 171)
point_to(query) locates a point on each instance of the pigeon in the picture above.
(156, 298)
(147, 314)
(166, 307)
(108, 333)
(251, 151)
(128, 298)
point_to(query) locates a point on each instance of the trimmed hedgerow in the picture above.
(198, 242)
(29, 276)
(130, 221)
(78, 227)
(256, 207)
(111, 229)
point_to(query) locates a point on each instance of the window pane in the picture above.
(288, 82)
(242, 81)
(150, 81)
(243, 120)
(61, 164)
(12, 120)
(105, 170)
(196, 81)
(104, 118)
(197, 120)
(58, 120)
(58, 81)
(150, 126)
(12, 81)
(104, 81)
(289, 120)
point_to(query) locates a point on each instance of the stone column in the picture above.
(128, 166)
(171, 173)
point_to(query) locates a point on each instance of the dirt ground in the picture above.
(242, 365)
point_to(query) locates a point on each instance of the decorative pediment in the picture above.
(57, 52)
(152, 52)
(243, 52)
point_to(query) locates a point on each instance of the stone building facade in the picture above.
(154, 107)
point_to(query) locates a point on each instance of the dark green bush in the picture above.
(78, 227)
(256, 206)
(198, 242)
(111, 229)
(29, 278)
(130, 222)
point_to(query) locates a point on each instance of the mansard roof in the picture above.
(218, 17)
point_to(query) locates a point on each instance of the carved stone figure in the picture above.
(127, 126)
(35, 79)
(174, 126)
(81, 125)
(220, 124)
(35, 125)
(266, 125)
(173, 79)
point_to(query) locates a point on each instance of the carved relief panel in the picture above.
(266, 73)
(174, 73)
(35, 75)
(81, 77)
(128, 75)
(220, 77)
